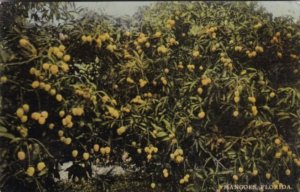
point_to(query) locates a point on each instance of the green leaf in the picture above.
(162, 134)
(3, 129)
(7, 135)
(156, 127)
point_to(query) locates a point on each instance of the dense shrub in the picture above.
(196, 96)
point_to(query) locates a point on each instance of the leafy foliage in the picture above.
(195, 96)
